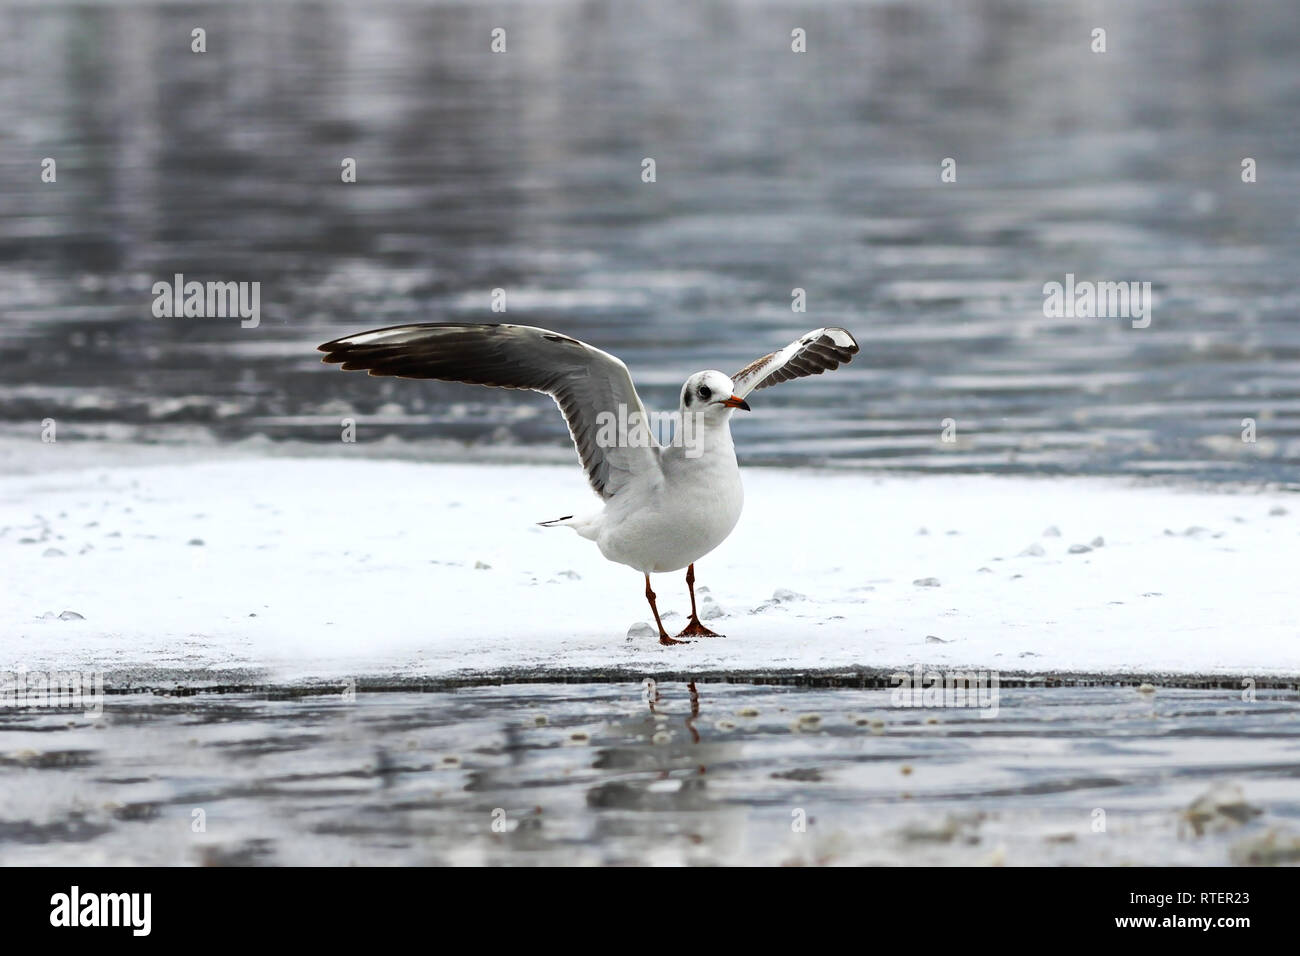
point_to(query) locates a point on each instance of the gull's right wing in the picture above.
(584, 381)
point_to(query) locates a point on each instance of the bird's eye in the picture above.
(704, 392)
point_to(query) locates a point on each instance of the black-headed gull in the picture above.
(665, 506)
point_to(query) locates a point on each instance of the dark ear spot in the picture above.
(686, 399)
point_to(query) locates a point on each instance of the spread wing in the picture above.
(584, 381)
(820, 350)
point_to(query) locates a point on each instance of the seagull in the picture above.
(665, 507)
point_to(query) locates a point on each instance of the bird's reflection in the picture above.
(654, 698)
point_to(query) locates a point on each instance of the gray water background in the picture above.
(775, 171)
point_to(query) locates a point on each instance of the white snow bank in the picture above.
(302, 568)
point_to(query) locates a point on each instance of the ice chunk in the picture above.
(641, 630)
(1222, 807)
(1272, 848)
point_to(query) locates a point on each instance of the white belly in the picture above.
(686, 519)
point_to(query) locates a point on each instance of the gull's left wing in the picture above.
(820, 350)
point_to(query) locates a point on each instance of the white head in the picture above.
(711, 395)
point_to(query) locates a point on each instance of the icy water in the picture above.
(677, 774)
(775, 171)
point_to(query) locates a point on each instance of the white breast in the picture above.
(682, 518)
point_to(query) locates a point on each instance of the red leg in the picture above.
(663, 635)
(695, 628)
(695, 715)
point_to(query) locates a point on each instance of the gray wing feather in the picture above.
(584, 381)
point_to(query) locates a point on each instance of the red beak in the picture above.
(736, 402)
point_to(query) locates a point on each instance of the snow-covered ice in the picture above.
(325, 567)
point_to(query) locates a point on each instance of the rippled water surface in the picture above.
(775, 171)
(695, 774)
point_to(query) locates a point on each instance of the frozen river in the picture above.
(778, 174)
